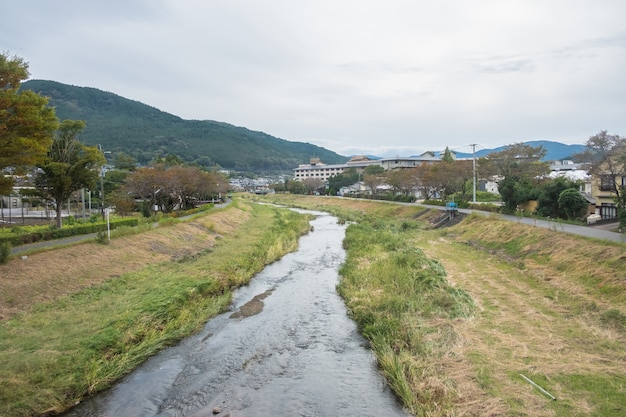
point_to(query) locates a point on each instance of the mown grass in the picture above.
(62, 351)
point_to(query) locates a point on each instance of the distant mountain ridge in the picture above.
(144, 132)
(556, 151)
(119, 124)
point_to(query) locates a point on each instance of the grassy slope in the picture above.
(545, 304)
(78, 336)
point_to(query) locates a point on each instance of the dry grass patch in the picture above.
(531, 321)
(46, 276)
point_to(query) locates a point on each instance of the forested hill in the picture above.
(145, 133)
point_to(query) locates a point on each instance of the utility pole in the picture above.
(102, 173)
(473, 145)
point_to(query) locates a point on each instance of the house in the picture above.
(603, 191)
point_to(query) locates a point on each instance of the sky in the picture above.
(388, 78)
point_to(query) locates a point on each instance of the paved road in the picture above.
(595, 232)
(48, 243)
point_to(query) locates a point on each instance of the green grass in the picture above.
(396, 295)
(80, 344)
(606, 393)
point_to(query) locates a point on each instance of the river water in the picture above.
(301, 355)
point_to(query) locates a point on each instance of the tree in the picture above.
(144, 184)
(26, 121)
(373, 177)
(447, 156)
(295, 187)
(403, 181)
(517, 161)
(572, 203)
(313, 185)
(453, 177)
(124, 203)
(548, 196)
(515, 191)
(607, 155)
(174, 187)
(70, 166)
(519, 166)
(427, 180)
(346, 178)
(124, 162)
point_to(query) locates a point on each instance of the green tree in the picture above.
(548, 196)
(169, 160)
(295, 187)
(26, 121)
(124, 162)
(515, 191)
(346, 178)
(447, 156)
(70, 166)
(572, 204)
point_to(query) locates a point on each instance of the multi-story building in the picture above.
(318, 170)
(603, 190)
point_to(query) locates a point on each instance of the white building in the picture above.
(318, 170)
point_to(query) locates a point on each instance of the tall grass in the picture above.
(401, 300)
(80, 344)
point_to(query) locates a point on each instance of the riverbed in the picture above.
(287, 347)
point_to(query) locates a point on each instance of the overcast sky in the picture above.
(390, 77)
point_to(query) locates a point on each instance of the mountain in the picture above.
(145, 133)
(556, 151)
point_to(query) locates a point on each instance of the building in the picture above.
(603, 191)
(316, 169)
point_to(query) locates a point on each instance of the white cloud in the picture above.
(380, 77)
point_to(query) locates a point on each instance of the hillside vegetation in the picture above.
(145, 133)
(457, 315)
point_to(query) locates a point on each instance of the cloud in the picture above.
(393, 76)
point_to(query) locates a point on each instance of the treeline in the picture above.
(519, 171)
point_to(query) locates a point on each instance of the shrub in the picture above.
(52, 232)
(102, 238)
(5, 252)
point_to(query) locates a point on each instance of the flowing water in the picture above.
(300, 355)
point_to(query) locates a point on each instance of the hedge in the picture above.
(47, 233)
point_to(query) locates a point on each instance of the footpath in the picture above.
(603, 232)
(84, 238)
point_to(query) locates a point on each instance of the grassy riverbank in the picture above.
(457, 315)
(79, 318)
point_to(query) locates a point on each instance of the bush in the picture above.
(102, 238)
(52, 232)
(5, 252)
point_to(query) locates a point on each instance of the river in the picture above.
(286, 348)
